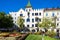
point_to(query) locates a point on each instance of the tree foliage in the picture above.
(20, 22)
(5, 20)
(46, 23)
(54, 18)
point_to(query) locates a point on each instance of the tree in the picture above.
(5, 21)
(20, 22)
(54, 18)
(46, 23)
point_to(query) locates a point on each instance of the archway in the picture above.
(33, 30)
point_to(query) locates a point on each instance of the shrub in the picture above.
(50, 33)
(30, 32)
(37, 33)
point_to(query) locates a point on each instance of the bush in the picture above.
(37, 33)
(50, 33)
(30, 32)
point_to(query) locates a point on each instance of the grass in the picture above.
(39, 37)
(33, 37)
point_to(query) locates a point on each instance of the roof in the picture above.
(50, 9)
(29, 4)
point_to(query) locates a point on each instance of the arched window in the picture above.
(28, 20)
(33, 30)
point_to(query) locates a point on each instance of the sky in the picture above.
(15, 5)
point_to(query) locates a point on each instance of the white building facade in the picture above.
(31, 16)
(51, 13)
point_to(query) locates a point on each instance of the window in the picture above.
(29, 10)
(21, 11)
(27, 25)
(26, 10)
(57, 13)
(21, 14)
(57, 19)
(15, 21)
(36, 14)
(36, 19)
(28, 14)
(32, 25)
(53, 14)
(46, 14)
(15, 14)
(39, 13)
(32, 20)
(57, 30)
(28, 20)
(15, 17)
(33, 30)
(57, 24)
(32, 14)
(40, 20)
(36, 25)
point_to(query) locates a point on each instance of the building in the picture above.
(51, 13)
(31, 16)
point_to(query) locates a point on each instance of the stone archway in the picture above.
(33, 30)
